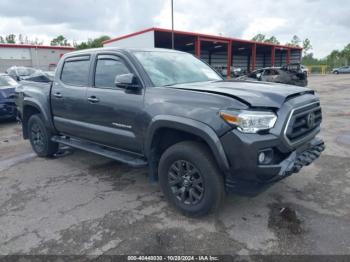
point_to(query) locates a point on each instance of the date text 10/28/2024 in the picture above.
(175, 258)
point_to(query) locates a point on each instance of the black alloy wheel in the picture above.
(37, 137)
(186, 182)
(40, 137)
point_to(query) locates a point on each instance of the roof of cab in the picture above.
(127, 50)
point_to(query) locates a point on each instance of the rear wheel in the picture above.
(40, 137)
(190, 179)
(336, 72)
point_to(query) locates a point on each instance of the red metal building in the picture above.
(221, 52)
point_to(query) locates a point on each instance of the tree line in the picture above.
(336, 58)
(20, 39)
(57, 41)
(294, 42)
(90, 43)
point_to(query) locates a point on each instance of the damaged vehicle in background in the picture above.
(20, 72)
(7, 97)
(235, 72)
(40, 76)
(291, 74)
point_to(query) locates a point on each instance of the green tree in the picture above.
(345, 53)
(334, 59)
(272, 40)
(20, 39)
(2, 41)
(259, 38)
(11, 39)
(294, 42)
(59, 41)
(92, 43)
(306, 46)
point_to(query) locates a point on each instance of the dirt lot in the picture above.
(80, 203)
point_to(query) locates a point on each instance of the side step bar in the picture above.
(120, 156)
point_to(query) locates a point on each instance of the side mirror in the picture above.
(127, 81)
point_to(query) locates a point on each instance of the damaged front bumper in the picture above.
(297, 159)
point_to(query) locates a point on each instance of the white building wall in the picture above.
(145, 40)
(15, 53)
(40, 58)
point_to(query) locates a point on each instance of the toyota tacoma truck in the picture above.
(199, 135)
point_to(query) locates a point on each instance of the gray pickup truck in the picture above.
(201, 136)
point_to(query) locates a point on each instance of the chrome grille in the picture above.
(303, 121)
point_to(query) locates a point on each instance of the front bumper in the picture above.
(247, 177)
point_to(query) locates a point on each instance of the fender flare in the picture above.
(46, 115)
(190, 126)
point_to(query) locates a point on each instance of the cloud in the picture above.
(325, 23)
(266, 25)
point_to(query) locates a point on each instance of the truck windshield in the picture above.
(171, 68)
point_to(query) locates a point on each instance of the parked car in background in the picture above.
(199, 134)
(19, 72)
(235, 72)
(7, 97)
(341, 70)
(289, 74)
(40, 76)
(304, 69)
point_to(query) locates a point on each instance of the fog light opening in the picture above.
(261, 157)
(265, 157)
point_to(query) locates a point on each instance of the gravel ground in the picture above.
(80, 203)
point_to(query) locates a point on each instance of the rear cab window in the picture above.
(75, 71)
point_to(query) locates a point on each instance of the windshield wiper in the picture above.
(191, 82)
(171, 84)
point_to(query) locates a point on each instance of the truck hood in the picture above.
(255, 94)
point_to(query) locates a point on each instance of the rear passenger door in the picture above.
(68, 96)
(114, 112)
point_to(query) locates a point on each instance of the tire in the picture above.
(190, 179)
(336, 72)
(40, 137)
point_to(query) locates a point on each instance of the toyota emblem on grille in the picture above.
(310, 121)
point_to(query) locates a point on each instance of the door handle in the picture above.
(58, 95)
(93, 99)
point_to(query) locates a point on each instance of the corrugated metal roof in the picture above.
(156, 29)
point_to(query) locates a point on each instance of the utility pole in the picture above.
(172, 25)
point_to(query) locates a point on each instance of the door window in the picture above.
(106, 71)
(76, 72)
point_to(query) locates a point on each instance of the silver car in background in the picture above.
(341, 70)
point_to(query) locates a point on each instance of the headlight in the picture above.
(250, 121)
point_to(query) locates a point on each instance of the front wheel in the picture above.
(190, 179)
(336, 72)
(40, 137)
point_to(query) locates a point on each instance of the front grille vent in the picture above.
(303, 121)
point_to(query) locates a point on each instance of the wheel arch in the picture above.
(30, 108)
(191, 130)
